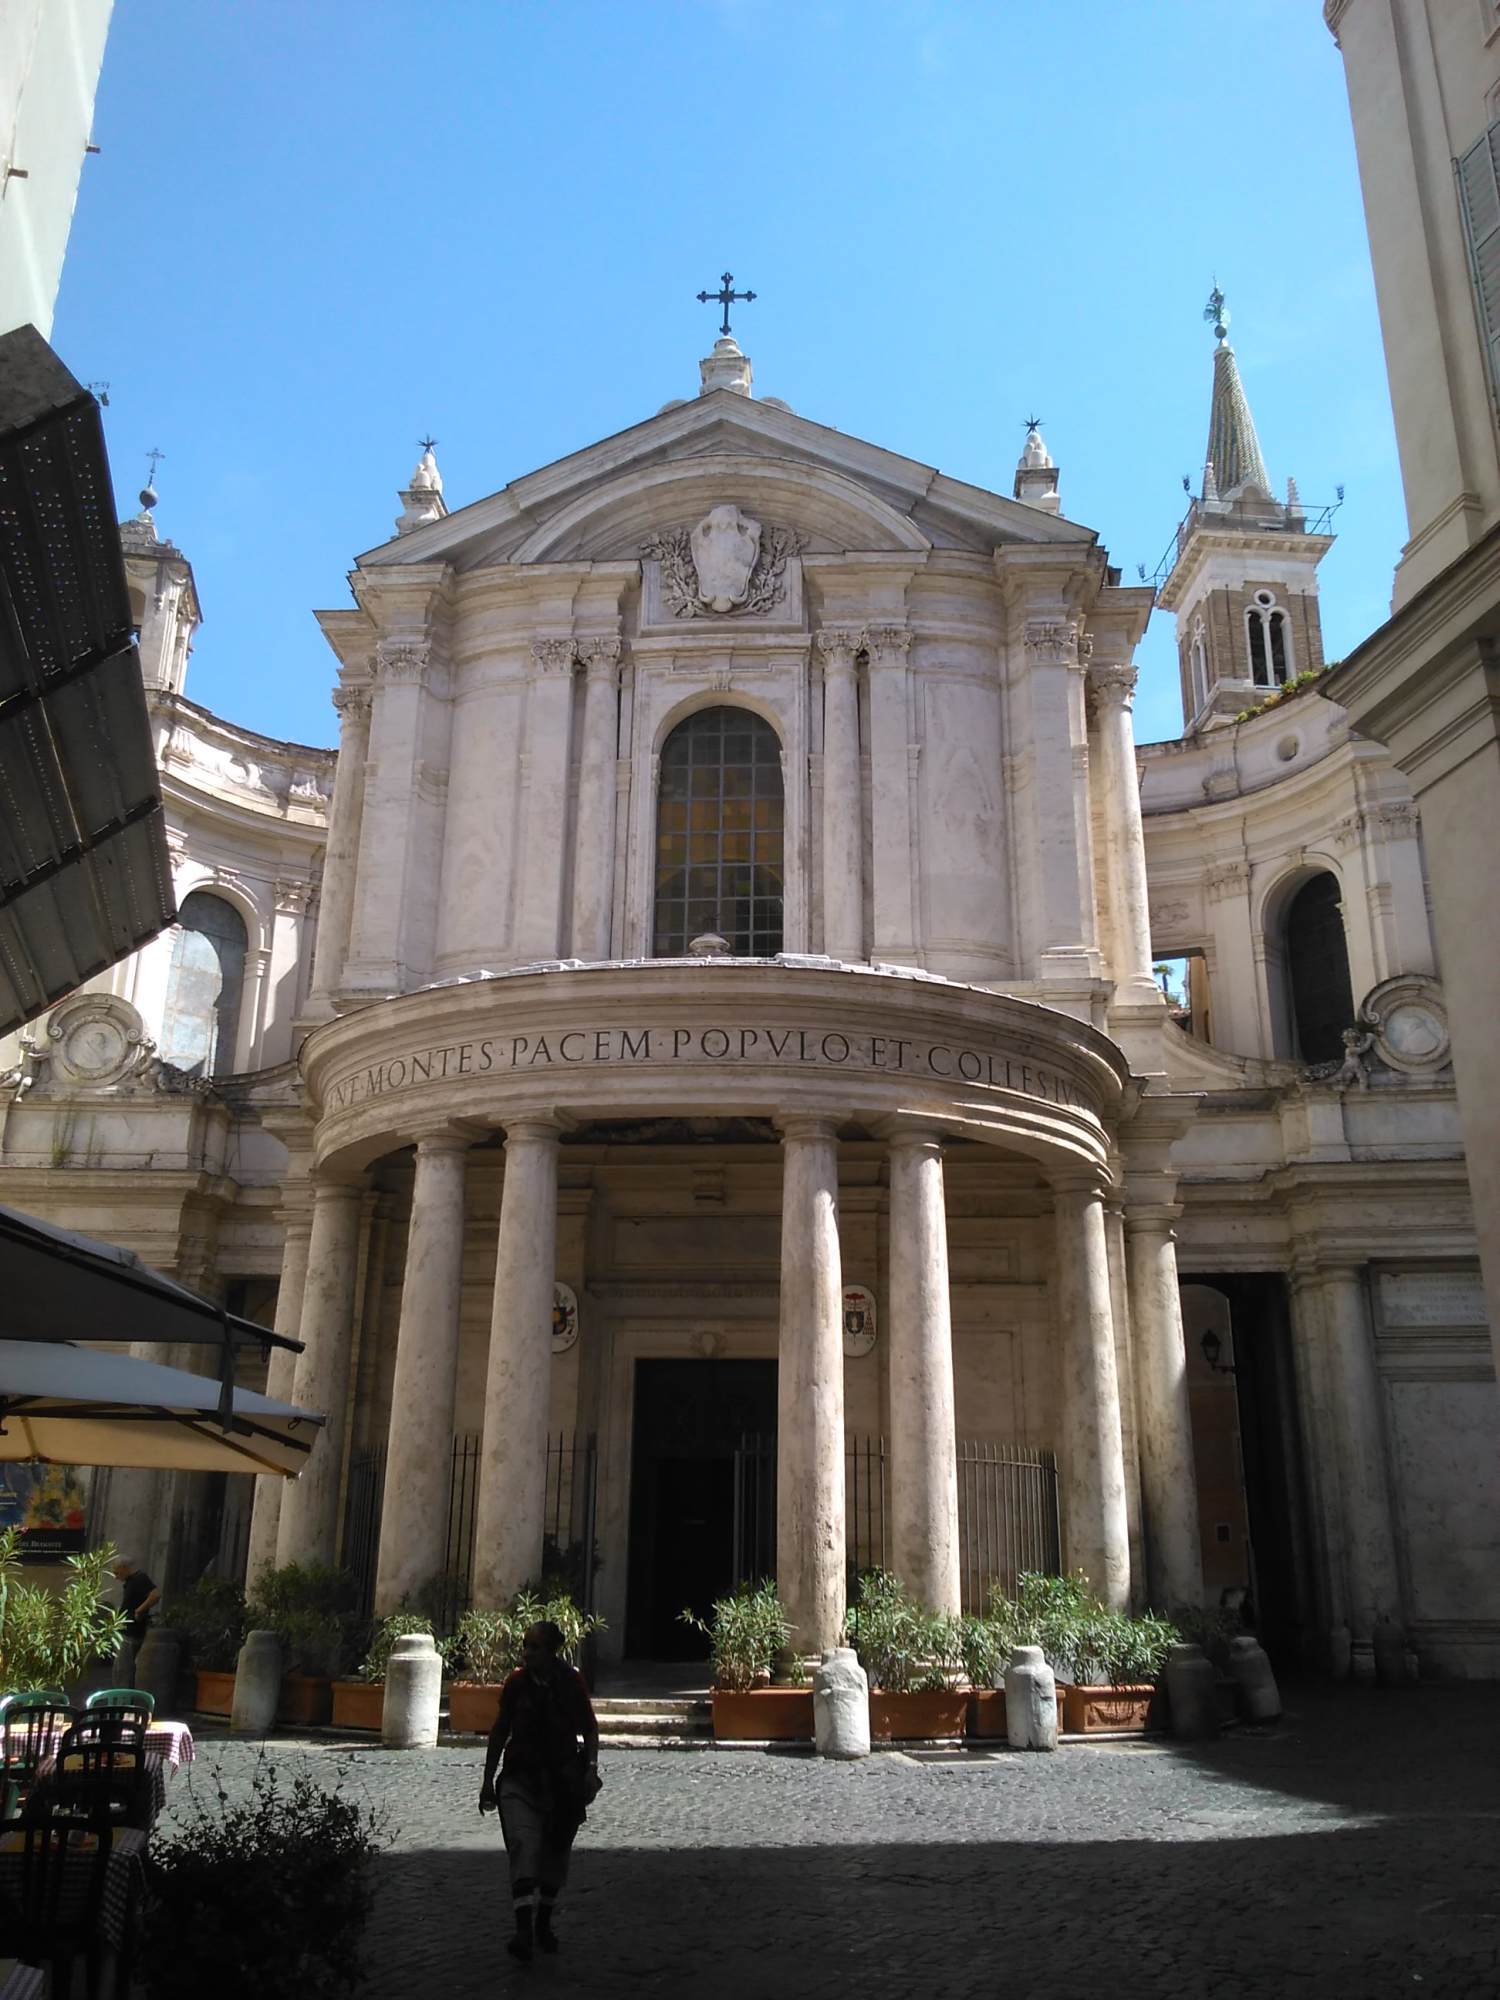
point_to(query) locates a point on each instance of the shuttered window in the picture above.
(1479, 201)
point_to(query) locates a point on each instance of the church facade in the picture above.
(740, 1062)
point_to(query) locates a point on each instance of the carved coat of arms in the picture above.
(726, 566)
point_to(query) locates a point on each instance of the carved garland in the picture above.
(672, 548)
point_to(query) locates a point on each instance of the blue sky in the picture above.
(316, 231)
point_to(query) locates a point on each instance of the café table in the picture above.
(124, 1878)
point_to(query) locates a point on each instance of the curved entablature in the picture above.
(718, 1038)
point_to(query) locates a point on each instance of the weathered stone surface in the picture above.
(1030, 1701)
(257, 1684)
(413, 1691)
(841, 1705)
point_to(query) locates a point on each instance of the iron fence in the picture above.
(568, 1518)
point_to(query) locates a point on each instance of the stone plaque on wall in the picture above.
(1431, 1298)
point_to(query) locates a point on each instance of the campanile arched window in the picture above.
(204, 986)
(1269, 640)
(719, 835)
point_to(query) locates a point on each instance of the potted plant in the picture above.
(210, 1615)
(1107, 1663)
(487, 1646)
(52, 1638)
(984, 1646)
(359, 1703)
(268, 1889)
(914, 1659)
(746, 1633)
(309, 1606)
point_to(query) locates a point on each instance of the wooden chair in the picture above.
(130, 1704)
(53, 1927)
(29, 1726)
(101, 1768)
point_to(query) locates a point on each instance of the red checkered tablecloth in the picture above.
(123, 1878)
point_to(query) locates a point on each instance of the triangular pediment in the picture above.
(838, 492)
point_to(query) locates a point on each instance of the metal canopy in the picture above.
(77, 1406)
(84, 875)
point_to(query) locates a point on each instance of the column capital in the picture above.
(454, 1135)
(600, 657)
(901, 1134)
(331, 1186)
(808, 1126)
(887, 643)
(553, 658)
(533, 1128)
(402, 658)
(1080, 1185)
(352, 704)
(1113, 684)
(836, 646)
(1153, 1218)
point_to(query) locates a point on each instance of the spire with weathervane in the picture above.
(422, 496)
(1036, 475)
(1243, 576)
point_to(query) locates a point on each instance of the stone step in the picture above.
(637, 1724)
(632, 1704)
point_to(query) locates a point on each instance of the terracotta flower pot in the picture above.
(473, 1706)
(358, 1704)
(763, 1715)
(896, 1718)
(987, 1712)
(1090, 1711)
(213, 1692)
(305, 1699)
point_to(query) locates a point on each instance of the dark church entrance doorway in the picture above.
(690, 1419)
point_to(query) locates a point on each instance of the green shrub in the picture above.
(902, 1646)
(745, 1632)
(984, 1651)
(210, 1615)
(487, 1645)
(383, 1636)
(310, 1608)
(261, 1895)
(1082, 1640)
(50, 1637)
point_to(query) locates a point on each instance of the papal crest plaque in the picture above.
(859, 1320)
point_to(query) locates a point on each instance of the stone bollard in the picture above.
(1250, 1670)
(257, 1684)
(1192, 1692)
(1030, 1701)
(413, 1689)
(841, 1705)
(157, 1667)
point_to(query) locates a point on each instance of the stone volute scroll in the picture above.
(553, 658)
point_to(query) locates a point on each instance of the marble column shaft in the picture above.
(509, 1522)
(414, 1530)
(810, 1547)
(594, 848)
(309, 1527)
(548, 754)
(924, 1457)
(1369, 1530)
(341, 858)
(281, 1383)
(843, 808)
(1096, 1529)
(1174, 1556)
(1114, 687)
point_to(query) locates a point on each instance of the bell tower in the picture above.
(163, 598)
(1243, 584)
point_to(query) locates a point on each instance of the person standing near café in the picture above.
(138, 1594)
(549, 1737)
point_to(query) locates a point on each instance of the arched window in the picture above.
(719, 842)
(1269, 639)
(204, 985)
(1317, 967)
(1198, 663)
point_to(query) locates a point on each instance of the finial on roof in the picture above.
(725, 368)
(1233, 447)
(1036, 475)
(422, 498)
(1218, 312)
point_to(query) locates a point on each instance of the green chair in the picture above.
(131, 1704)
(30, 1725)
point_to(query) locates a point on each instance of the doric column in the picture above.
(892, 862)
(509, 1519)
(1174, 1559)
(1374, 1588)
(1096, 1531)
(843, 807)
(309, 1526)
(810, 1553)
(594, 849)
(924, 1461)
(548, 754)
(1114, 691)
(341, 856)
(281, 1382)
(413, 1530)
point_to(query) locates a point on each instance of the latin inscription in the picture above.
(626, 1048)
(1431, 1298)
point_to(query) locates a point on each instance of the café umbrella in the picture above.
(81, 1406)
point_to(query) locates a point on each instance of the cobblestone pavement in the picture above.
(1350, 1852)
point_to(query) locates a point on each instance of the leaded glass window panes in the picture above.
(204, 984)
(719, 835)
